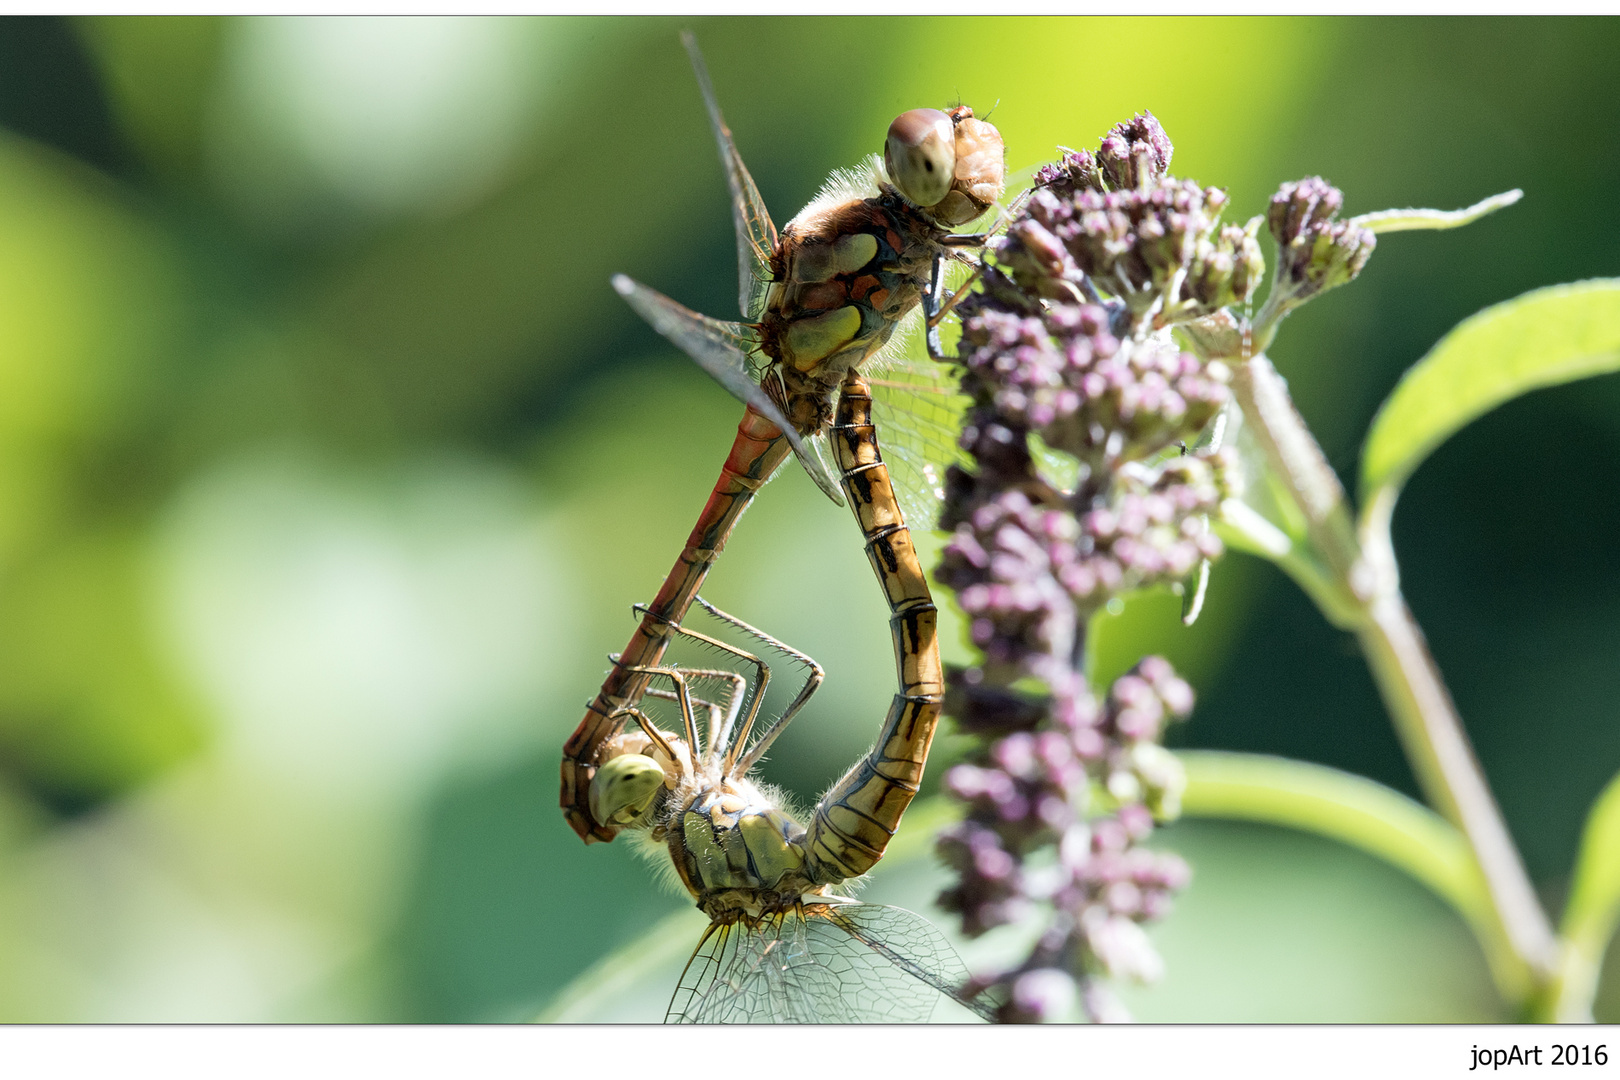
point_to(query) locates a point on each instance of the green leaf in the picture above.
(1388, 221)
(1543, 338)
(1593, 910)
(1355, 811)
(1594, 899)
(640, 969)
(1243, 528)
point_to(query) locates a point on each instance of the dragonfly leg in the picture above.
(650, 729)
(729, 708)
(762, 670)
(1003, 217)
(812, 682)
(758, 451)
(690, 672)
(932, 304)
(936, 306)
(684, 696)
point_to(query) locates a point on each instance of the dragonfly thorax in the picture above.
(844, 275)
(858, 259)
(737, 852)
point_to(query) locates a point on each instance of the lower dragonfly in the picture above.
(823, 299)
(783, 946)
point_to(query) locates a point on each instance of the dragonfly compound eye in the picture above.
(920, 155)
(623, 789)
(981, 171)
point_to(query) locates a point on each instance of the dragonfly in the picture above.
(822, 298)
(784, 945)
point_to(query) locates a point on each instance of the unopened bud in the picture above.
(1135, 154)
(1075, 170)
(1226, 269)
(1314, 252)
(1037, 261)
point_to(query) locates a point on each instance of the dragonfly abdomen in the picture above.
(757, 452)
(854, 821)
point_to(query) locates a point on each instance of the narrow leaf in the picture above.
(1543, 338)
(1594, 898)
(1246, 529)
(627, 970)
(1358, 812)
(1388, 221)
(1593, 910)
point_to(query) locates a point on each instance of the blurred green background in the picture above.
(330, 466)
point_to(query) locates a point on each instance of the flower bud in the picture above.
(1226, 268)
(1135, 154)
(1314, 252)
(1074, 171)
(1037, 261)
(1040, 996)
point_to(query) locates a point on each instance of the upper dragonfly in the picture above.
(822, 297)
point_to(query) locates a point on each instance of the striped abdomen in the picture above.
(759, 449)
(854, 821)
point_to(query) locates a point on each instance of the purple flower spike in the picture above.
(1067, 356)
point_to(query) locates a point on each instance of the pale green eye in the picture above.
(623, 789)
(920, 155)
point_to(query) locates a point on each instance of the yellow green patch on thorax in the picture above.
(843, 280)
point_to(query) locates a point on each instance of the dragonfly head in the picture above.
(624, 788)
(952, 166)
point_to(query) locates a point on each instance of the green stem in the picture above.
(1432, 732)
(1413, 691)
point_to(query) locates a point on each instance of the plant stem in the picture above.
(1293, 454)
(1425, 718)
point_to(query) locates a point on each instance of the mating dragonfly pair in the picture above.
(822, 300)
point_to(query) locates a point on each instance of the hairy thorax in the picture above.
(844, 275)
(737, 852)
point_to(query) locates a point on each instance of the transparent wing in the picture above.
(918, 411)
(744, 975)
(756, 234)
(839, 964)
(721, 349)
(701, 984)
(910, 944)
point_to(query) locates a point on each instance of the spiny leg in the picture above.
(815, 675)
(762, 670)
(935, 306)
(757, 452)
(645, 722)
(678, 677)
(651, 730)
(731, 706)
